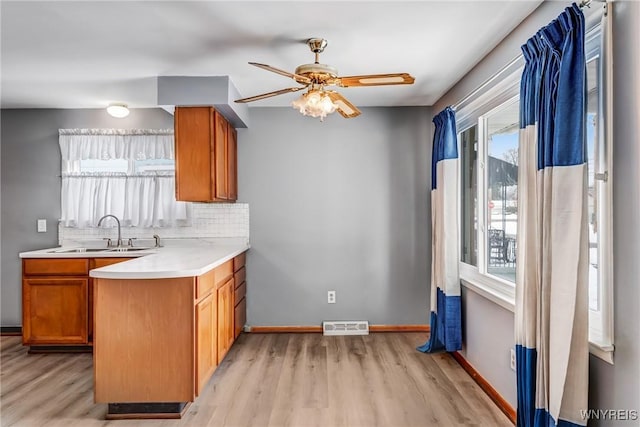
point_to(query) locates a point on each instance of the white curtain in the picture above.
(103, 144)
(137, 199)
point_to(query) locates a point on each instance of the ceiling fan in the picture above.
(318, 101)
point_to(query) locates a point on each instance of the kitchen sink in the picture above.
(83, 250)
(78, 250)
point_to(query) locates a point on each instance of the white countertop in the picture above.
(186, 260)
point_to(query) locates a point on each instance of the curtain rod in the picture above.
(587, 3)
(583, 3)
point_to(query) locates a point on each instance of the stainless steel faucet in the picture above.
(119, 242)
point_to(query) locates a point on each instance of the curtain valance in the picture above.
(104, 144)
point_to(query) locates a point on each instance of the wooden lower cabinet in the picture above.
(239, 294)
(55, 295)
(225, 318)
(57, 300)
(206, 341)
(55, 310)
(178, 330)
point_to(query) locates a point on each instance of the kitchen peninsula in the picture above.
(162, 323)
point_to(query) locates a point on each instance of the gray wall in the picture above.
(30, 181)
(341, 205)
(490, 328)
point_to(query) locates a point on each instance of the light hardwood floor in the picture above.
(269, 380)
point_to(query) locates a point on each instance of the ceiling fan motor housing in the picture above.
(318, 73)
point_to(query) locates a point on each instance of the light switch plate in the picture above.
(42, 226)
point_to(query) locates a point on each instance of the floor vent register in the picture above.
(340, 327)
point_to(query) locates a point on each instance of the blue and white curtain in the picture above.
(446, 331)
(552, 349)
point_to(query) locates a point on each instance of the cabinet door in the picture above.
(55, 310)
(220, 144)
(240, 316)
(194, 153)
(232, 160)
(225, 318)
(206, 344)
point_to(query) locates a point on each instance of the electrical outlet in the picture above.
(42, 226)
(331, 297)
(512, 361)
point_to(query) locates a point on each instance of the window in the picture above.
(489, 206)
(489, 124)
(469, 149)
(501, 190)
(127, 173)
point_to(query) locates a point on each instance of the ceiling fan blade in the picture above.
(345, 108)
(376, 80)
(296, 77)
(270, 94)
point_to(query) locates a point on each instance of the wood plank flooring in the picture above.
(273, 380)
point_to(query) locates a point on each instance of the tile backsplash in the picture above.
(209, 220)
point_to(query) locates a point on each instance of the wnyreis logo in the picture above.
(609, 414)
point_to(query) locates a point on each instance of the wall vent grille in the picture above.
(345, 327)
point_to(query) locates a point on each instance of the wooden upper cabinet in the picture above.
(205, 163)
(221, 145)
(232, 155)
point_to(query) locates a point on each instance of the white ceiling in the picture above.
(86, 54)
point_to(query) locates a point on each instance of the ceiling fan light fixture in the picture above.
(318, 102)
(315, 103)
(118, 110)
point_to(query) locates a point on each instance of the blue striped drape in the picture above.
(446, 331)
(552, 272)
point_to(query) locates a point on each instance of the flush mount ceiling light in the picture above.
(318, 102)
(118, 110)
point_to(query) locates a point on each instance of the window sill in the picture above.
(602, 351)
(492, 289)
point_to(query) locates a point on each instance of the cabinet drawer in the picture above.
(240, 292)
(240, 276)
(55, 267)
(205, 283)
(224, 272)
(239, 261)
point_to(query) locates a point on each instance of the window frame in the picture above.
(496, 93)
(500, 93)
(601, 334)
